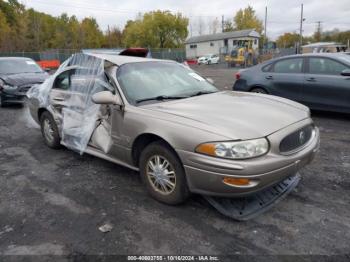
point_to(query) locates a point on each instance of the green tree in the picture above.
(287, 40)
(157, 29)
(5, 31)
(91, 35)
(228, 26)
(247, 19)
(113, 37)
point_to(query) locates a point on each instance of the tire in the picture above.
(259, 90)
(49, 131)
(162, 191)
(2, 103)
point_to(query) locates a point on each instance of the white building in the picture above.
(219, 44)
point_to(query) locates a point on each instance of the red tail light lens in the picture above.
(238, 76)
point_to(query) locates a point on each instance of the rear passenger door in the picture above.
(324, 86)
(286, 78)
(60, 90)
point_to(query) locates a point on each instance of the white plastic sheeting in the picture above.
(79, 114)
(42, 92)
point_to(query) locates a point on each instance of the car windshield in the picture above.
(146, 80)
(18, 66)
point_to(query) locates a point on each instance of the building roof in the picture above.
(323, 44)
(221, 36)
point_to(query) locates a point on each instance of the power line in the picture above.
(99, 9)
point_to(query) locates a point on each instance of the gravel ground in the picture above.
(53, 202)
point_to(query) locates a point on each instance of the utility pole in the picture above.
(318, 31)
(265, 39)
(109, 37)
(222, 23)
(301, 28)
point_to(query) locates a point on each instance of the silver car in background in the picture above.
(182, 134)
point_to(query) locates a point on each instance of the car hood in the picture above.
(235, 115)
(24, 79)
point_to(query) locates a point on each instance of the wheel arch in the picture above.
(41, 111)
(259, 86)
(142, 141)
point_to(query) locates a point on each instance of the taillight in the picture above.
(238, 75)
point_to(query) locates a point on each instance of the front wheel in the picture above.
(259, 90)
(163, 174)
(49, 131)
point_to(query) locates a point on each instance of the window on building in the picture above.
(255, 41)
(193, 46)
(211, 44)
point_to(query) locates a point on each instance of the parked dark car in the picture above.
(320, 81)
(17, 76)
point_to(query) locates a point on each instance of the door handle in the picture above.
(311, 79)
(269, 77)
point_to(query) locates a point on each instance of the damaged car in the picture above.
(173, 126)
(17, 76)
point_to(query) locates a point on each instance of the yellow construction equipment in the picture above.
(242, 54)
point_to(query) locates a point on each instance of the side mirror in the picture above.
(47, 69)
(345, 72)
(106, 98)
(210, 80)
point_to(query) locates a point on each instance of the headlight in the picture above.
(235, 150)
(3, 85)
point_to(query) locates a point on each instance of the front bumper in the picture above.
(15, 95)
(205, 174)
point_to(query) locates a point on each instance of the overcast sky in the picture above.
(283, 15)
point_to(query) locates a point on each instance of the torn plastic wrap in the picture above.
(79, 115)
(42, 92)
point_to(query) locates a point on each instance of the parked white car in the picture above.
(208, 59)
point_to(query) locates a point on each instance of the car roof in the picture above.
(334, 55)
(121, 59)
(15, 58)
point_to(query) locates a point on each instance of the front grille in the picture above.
(297, 139)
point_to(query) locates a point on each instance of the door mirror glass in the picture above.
(106, 98)
(345, 72)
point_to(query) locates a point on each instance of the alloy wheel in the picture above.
(48, 130)
(161, 174)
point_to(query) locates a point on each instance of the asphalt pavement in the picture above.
(52, 202)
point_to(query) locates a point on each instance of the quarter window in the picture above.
(325, 66)
(289, 66)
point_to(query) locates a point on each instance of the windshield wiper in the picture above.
(202, 93)
(160, 98)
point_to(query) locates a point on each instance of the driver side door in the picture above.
(286, 78)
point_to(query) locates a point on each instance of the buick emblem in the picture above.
(301, 137)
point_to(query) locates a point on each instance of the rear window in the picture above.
(289, 66)
(18, 66)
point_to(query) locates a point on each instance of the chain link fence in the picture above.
(178, 54)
